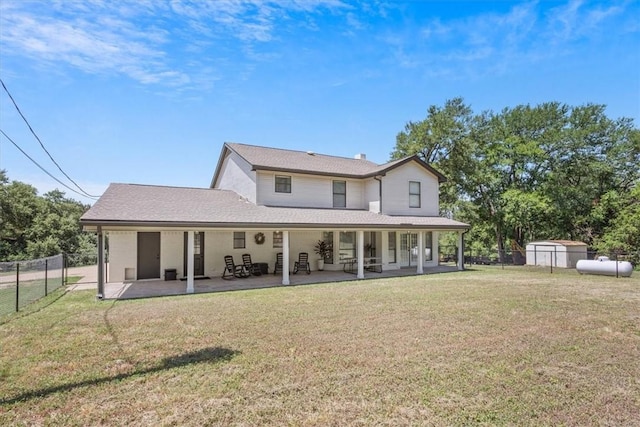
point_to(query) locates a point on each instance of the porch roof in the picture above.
(159, 206)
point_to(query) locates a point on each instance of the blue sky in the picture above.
(148, 91)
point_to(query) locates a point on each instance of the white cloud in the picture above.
(135, 38)
(494, 42)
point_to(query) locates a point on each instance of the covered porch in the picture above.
(411, 250)
(158, 288)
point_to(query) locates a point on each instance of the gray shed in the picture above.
(556, 253)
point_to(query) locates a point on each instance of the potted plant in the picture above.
(323, 249)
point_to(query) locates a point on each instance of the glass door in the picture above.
(408, 249)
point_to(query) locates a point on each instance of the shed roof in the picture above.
(305, 162)
(559, 243)
(148, 205)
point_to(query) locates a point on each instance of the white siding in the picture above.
(123, 255)
(372, 195)
(217, 244)
(172, 252)
(236, 175)
(575, 254)
(355, 195)
(395, 191)
(307, 191)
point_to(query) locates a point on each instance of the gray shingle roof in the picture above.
(132, 204)
(276, 159)
(279, 159)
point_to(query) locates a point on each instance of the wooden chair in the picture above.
(302, 263)
(233, 270)
(248, 265)
(278, 268)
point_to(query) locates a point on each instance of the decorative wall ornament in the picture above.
(259, 238)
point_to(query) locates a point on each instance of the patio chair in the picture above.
(252, 268)
(302, 263)
(233, 270)
(278, 268)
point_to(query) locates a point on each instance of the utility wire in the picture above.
(43, 169)
(41, 144)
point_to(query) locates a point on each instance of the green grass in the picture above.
(483, 347)
(29, 292)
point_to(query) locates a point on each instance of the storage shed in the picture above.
(556, 253)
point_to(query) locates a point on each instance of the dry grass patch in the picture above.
(491, 346)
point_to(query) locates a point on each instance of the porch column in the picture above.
(420, 269)
(285, 257)
(190, 239)
(460, 250)
(384, 247)
(360, 252)
(100, 264)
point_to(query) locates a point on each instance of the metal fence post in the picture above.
(17, 287)
(46, 276)
(65, 271)
(551, 259)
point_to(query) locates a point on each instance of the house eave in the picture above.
(92, 225)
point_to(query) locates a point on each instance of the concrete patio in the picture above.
(157, 288)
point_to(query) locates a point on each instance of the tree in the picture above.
(622, 235)
(33, 226)
(18, 207)
(441, 139)
(528, 172)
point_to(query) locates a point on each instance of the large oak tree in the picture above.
(530, 172)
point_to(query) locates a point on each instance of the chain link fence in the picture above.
(81, 259)
(539, 257)
(24, 282)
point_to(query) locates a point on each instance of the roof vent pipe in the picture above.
(360, 156)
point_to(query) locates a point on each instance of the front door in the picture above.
(409, 249)
(148, 256)
(198, 253)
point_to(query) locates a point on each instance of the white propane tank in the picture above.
(605, 267)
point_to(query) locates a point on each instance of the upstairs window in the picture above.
(339, 194)
(283, 184)
(414, 194)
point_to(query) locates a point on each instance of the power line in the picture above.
(41, 144)
(43, 169)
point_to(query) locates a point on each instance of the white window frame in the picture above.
(413, 195)
(287, 184)
(333, 188)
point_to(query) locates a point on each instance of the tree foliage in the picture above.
(550, 171)
(33, 226)
(622, 234)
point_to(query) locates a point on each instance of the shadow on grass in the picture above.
(205, 355)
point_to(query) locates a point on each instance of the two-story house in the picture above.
(265, 201)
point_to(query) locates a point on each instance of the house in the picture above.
(556, 253)
(264, 201)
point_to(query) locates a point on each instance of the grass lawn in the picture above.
(489, 346)
(29, 291)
